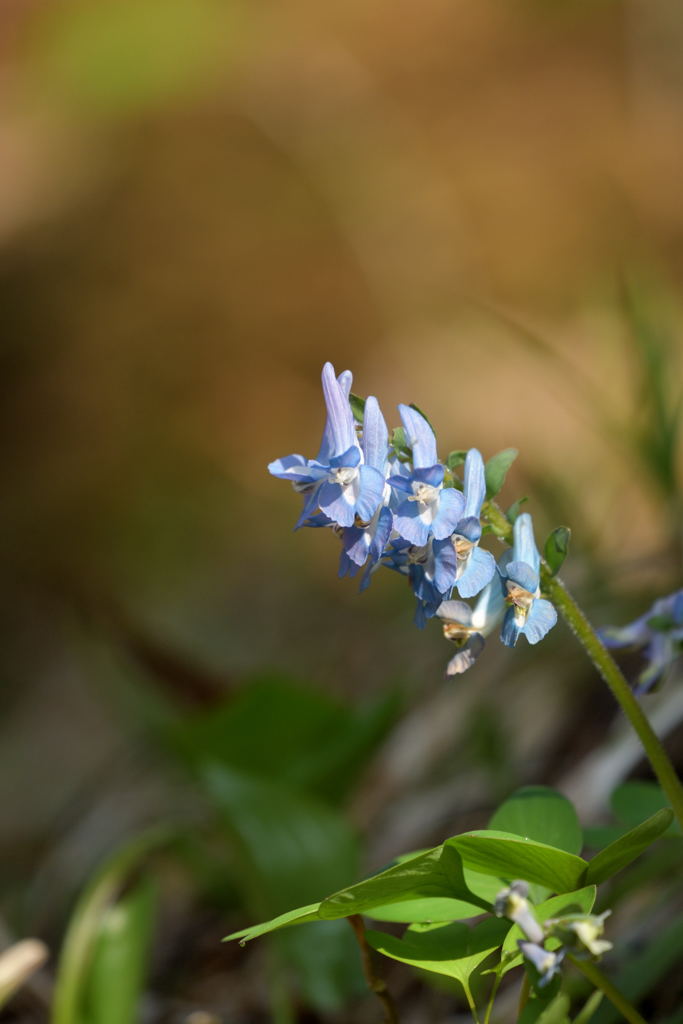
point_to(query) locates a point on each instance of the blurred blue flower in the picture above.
(430, 510)
(467, 627)
(476, 567)
(658, 634)
(546, 962)
(338, 481)
(520, 572)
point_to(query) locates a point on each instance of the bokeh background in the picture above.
(474, 206)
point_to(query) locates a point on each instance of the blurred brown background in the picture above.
(474, 206)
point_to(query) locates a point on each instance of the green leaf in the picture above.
(120, 958)
(438, 908)
(299, 916)
(634, 801)
(290, 847)
(496, 470)
(509, 857)
(557, 548)
(357, 407)
(515, 508)
(542, 814)
(84, 927)
(537, 1011)
(625, 849)
(456, 458)
(454, 950)
(399, 442)
(581, 901)
(425, 875)
(275, 728)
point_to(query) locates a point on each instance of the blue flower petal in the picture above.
(409, 525)
(432, 475)
(371, 492)
(659, 655)
(475, 483)
(524, 545)
(333, 503)
(466, 656)
(450, 512)
(401, 483)
(375, 435)
(469, 527)
(293, 467)
(455, 611)
(540, 619)
(420, 437)
(342, 432)
(635, 634)
(445, 565)
(523, 575)
(481, 568)
(349, 458)
(510, 631)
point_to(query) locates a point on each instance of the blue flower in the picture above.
(430, 569)
(546, 962)
(431, 511)
(520, 572)
(658, 634)
(337, 481)
(363, 543)
(476, 567)
(467, 627)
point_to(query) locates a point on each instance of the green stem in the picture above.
(597, 978)
(606, 666)
(523, 994)
(470, 1001)
(615, 679)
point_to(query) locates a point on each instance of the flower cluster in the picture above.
(579, 934)
(658, 634)
(393, 503)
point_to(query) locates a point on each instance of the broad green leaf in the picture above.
(299, 916)
(542, 814)
(634, 801)
(580, 901)
(509, 857)
(357, 407)
(293, 847)
(454, 950)
(557, 548)
(625, 849)
(497, 469)
(120, 958)
(275, 728)
(290, 848)
(538, 1011)
(436, 909)
(435, 873)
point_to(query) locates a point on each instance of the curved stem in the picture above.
(606, 666)
(615, 679)
(597, 978)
